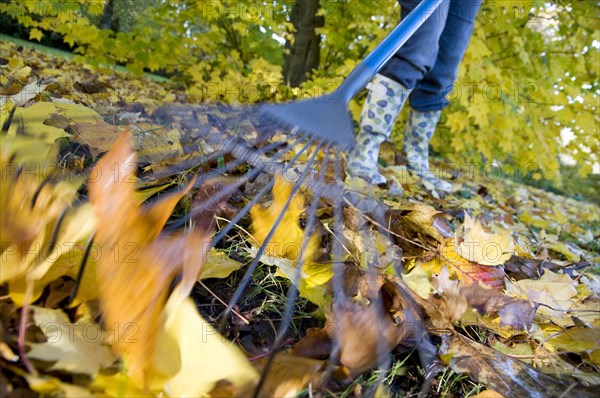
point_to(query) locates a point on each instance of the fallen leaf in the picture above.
(418, 281)
(456, 297)
(313, 277)
(99, 137)
(218, 265)
(287, 239)
(482, 247)
(463, 269)
(27, 93)
(503, 374)
(555, 292)
(571, 252)
(523, 268)
(522, 351)
(154, 144)
(576, 339)
(74, 347)
(417, 222)
(290, 374)
(31, 120)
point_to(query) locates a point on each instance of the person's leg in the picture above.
(429, 96)
(388, 91)
(430, 92)
(384, 102)
(418, 55)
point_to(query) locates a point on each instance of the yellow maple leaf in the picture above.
(287, 238)
(36, 34)
(284, 247)
(457, 121)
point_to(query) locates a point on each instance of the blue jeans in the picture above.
(428, 62)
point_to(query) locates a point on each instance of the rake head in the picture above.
(324, 118)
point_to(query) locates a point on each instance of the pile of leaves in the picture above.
(496, 281)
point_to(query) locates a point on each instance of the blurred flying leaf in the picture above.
(38, 226)
(63, 260)
(205, 356)
(134, 281)
(73, 347)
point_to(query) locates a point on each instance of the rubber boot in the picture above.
(419, 130)
(380, 111)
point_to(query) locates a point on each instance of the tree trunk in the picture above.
(303, 54)
(106, 19)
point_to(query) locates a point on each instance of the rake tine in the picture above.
(338, 269)
(242, 213)
(227, 191)
(231, 188)
(190, 162)
(293, 290)
(256, 198)
(202, 158)
(238, 292)
(84, 258)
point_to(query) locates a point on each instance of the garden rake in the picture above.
(316, 125)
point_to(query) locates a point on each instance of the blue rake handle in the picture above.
(364, 72)
(327, 117)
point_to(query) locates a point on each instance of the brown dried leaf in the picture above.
(523, 268)
(291, 374)
(457, 297)
(421, 219)
(99, 137)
